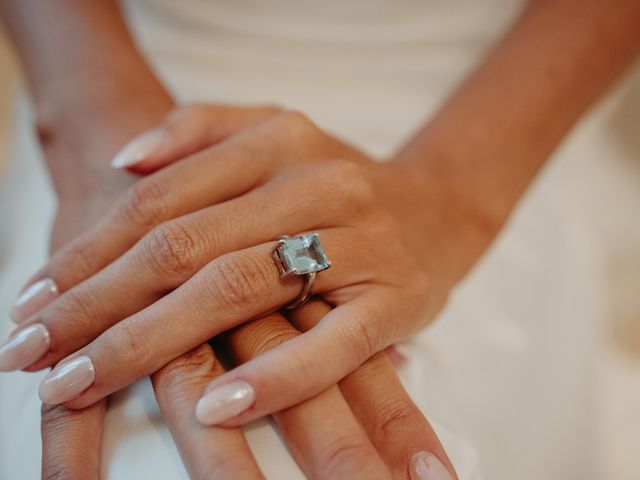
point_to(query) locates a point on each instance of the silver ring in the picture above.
(302, 256)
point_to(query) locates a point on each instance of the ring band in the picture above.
(302, 256)
(305, 294)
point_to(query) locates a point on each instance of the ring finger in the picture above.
(230, 290)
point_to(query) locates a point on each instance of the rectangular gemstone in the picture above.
(303, 254)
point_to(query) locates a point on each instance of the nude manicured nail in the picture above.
(140, 148)
(24, 347)
(224, 402)
(66, 381)
(34, 299)
(426, 466)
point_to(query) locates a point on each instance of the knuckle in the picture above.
(131, 341)
(367, 337)
(349, 184)
(52, 415)
(297, 120)
(345, 171)
(306, 368)
(254, 338)
(240, 279)
(76, 307)
(57, 470)
(345, 450)
(296, 129)
(77, 256)
(183, 119)
(200, 359)
(274, 338)
(172, 248)
(393, 415)
(145, 203)
(195, 368)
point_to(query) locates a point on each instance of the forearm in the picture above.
(91, 87)
(490, 139)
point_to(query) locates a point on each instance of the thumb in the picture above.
(185, 131)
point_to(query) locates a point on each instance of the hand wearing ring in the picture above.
(192, 246)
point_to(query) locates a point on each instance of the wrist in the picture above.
(78, 165)
(102, 122)
(80, 142)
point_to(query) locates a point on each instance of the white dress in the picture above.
(509, 365)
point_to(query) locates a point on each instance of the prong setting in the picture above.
(300, 255)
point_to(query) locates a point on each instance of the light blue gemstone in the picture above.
(303, 255)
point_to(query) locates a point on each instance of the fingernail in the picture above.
(224, 402)
(24, 347)
(139, 148)
(67, 380)
(33, 299)
(426, 466)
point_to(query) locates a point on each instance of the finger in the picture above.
(322, 433)
(207, 452)
(398, 429)
(395, 425)
(173, 252)
(168, 257)
(185, 131)
(230, 290)
(310, 363)
(71, 441)
(212, 176)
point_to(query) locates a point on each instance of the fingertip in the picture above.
(32, 299)
(67, 381)
(426, 466)
(221, 404)
(140, 150)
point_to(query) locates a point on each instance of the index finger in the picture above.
(71, 441)
(322, 433)
(398, 429)
(207, 452)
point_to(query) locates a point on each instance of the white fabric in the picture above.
(508, 365)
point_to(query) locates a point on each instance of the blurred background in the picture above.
(609, 192)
